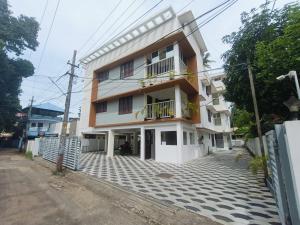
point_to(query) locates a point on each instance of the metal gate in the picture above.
(49, 147)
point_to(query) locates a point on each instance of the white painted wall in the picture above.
(292, 138)
(112, 114)
(109, 88)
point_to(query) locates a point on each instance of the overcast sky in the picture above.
(77, 20)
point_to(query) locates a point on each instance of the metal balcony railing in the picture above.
(161, 67)
(160, 110)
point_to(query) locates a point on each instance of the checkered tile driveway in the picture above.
(215, 186)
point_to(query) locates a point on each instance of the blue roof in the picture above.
(48, 106)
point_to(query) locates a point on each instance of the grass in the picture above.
(28, 155)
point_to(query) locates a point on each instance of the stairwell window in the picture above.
(126, 70)
(208, 115)
(216, 100)
(103, 76)
(125, 105)
(217, 119)
(101, 107)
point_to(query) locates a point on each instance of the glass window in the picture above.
(154, 54)
(125, 105)
(101, 107)
(219, 140)
(184, 138)
(208, 90)
(40, 124)
(126, 69)
(216, 100)
(169, 138)
(162, 54)
(33, 125)
(208, 115)
(169, 48)
(103, 76)
(192, 138)
(217, 119)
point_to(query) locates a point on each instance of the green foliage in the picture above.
(16, 35)
(257, 164)
(207, 61)
(270, 40)
(242, 120)
(28, 155)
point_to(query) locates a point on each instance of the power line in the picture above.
(100, 25)
(48, 35)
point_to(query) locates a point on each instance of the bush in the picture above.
(28, 154)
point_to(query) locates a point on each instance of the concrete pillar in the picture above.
(176, 59)
(135, 144)
(178, 102)
(142, 147)
(179, 131)
(105, 142)
(128, 138)
(110, 144)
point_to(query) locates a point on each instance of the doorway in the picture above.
(150, 144)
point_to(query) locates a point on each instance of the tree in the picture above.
(206, 60)
(16, 35)
(260, 30)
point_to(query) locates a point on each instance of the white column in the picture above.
(105, 142)
(178, 102)
(134, 144)
(110, 144)
(176, 59)
(142, 147)
(179, 132)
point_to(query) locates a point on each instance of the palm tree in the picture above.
(206, 60)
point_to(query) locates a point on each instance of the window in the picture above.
(170, 48)
(125, 105)
(40, 124)
(216, 100)
(184, 138)
(154, 54)
(101, 107)
(217, 119)
(126, 69)
(208, 115)
(192, 138)
(162, 54)
(102, 76)
(33, 125)
(169, 138)
(208, 90)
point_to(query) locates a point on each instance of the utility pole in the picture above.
(25, 134)
(63, 135)
(257, 120)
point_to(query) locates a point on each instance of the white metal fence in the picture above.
(160, 67)
(49, 148)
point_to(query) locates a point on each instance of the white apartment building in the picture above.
(215, 112)
(145, 89)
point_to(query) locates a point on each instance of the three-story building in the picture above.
(143, 90)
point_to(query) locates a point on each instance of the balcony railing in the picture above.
(160, 67)
(160, 110)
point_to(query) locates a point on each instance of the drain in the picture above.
(164, 175)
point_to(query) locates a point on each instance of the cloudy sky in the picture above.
(77, 20)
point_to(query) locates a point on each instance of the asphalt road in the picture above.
(31, 195)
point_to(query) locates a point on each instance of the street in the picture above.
(31, 194)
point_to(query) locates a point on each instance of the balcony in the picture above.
(161, 67)
(160, 110)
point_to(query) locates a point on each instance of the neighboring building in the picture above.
(215, 123)
(42, 116)
(145, 89)
(72, 128)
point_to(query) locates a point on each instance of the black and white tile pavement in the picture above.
(215, 186)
